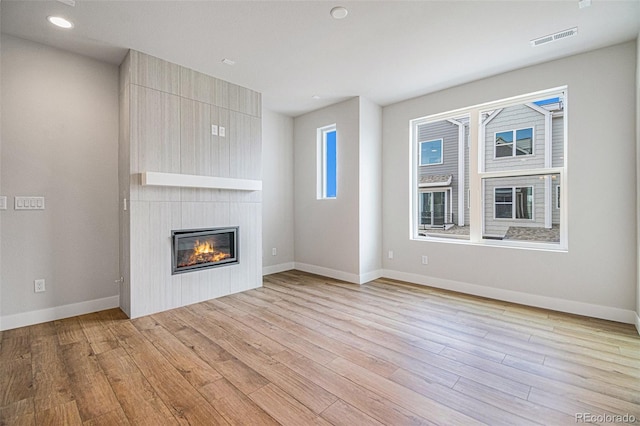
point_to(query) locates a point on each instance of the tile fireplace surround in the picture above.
(166, 115)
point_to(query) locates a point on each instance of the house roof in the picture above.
(386, 51)
(434, 180)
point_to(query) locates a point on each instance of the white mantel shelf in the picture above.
(197, 181)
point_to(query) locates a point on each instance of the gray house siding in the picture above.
(448, 132)
(513, 118)
(466, 175)
(558, 159)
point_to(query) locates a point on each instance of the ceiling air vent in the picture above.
(554, 37)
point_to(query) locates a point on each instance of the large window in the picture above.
(499, 181)
(327, 162)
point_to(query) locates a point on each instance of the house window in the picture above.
(431, 152)
(327, 162)
(514, 143)
(519, 148)
(513, 203)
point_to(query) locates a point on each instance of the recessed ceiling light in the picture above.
(228, 61)
(60, 22)
(339, 12)
(315, 97)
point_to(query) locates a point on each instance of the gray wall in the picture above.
(277, 192)
(59, 140)
(340, 237)
(327, 231)
(599, 272)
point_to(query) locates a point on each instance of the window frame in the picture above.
(513, 155)
(441, 140)
(321, 167)
(478, 155)
(513, 217)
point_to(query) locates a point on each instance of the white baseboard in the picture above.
(370, 276)
(59, 312)
(274, 269)
(562, 305)
(339, 275)
(326, 272)
(638, 322)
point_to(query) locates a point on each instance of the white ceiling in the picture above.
(386, 51)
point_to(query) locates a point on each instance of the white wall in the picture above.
(370, 208)
(637, 319)
(598, 274)
(277, 192)
(60, 141)
(326, 231)
(1, 171)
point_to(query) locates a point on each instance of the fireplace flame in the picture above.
(204, 252)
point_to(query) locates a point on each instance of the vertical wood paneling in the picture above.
(249, 218)
(233, 100)
(195, 146)
(155, 134)
(154, 73)
(224, 143)
(197, 86)
(172, 134)
(152, 259)
(124, 172)
(221, 94)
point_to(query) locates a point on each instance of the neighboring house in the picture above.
(519, 137)
(441, 193)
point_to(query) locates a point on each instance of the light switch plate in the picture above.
(214, 130)
(3, 202)
(223, 132)
(29, 203)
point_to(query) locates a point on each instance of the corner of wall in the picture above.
(638, 181)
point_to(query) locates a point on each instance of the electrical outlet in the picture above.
(38, 286)
(274, 251)
(390, 254)
(425, 260)
(222, 131)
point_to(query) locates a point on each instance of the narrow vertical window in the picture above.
(327, 162)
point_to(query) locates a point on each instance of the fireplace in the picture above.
(196, 249)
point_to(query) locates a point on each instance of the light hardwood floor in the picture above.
(310, 350)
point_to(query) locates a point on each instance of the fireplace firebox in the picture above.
(197, 249)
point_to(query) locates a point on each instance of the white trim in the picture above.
(637, 323)
(441, 140)
(562, 305)
(548, 202)
(198, 181)
(461, 171)
(274, 269)
(322, 163)
(24, 319)
(517, 173)
(513, 203)
(339, 275)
